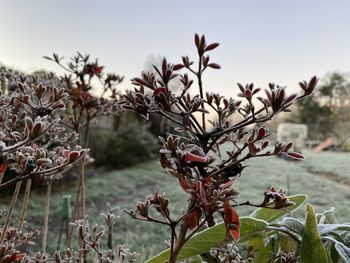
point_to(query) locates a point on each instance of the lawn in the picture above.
(123, 188)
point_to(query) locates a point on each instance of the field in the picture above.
(324, 177)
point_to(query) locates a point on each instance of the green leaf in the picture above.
(270, 215)
(215, 236)
(250, 226)
(210, 238)
(287, 243)
(261, 252)
(326, 229)
(333, 253)
(196, 259)
(343, 251)
(294, 225)
(327, 217)
(312, 249)
(198, 244)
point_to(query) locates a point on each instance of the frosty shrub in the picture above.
(191, 155)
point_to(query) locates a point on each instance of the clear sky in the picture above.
(261, 40)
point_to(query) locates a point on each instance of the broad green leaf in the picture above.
(326, 229)
(327, 217)
(261, 252)
(333, 253)
(312, 249)
(198, 244)
(294, 225)
(196, 259)
(270, 215)
(343, 251)
(210, 238)
(215, 236)
(250, 226)
(287, 243)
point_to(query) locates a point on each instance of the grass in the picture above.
(124, 188)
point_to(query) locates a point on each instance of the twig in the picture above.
(46, 217)
(25, 204)
(9, 213)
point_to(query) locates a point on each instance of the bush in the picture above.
(129, 145)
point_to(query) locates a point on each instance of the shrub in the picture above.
(39, 129)
(190, 157)
(128, 145)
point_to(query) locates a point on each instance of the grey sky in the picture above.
(261, 40)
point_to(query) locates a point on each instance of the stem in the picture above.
(195, 230)
(172, 241)
(47, 172)
(75, 213)
(110, 237)
(200, 85)
(179, 243)
(2, 174)
(46, 217)
(83, 208)
(9, 214)
(15, 146)
(82, 192)
(25, 204)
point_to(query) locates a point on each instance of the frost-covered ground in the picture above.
(124, 188)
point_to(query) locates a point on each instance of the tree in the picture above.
(327, 112)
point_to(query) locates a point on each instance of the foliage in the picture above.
(35, 147)
(128, 145)
(190, 157)
(39, 128)
(318, 239)
(327, 112)
(215, 237)
(125, 187)
(83, 108)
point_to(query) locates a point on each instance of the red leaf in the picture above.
(19, 257)
(214, 65)
(86, 96)
(261, 132)
(228, 184)
(232, 222)
(294, 155)
(73, 155)
(178, 66)
(248, 94)
(288, 146)
(9, 259)
(65, 153)
(264, 144)
(195, 158)
(212, 46)
(196, 40)
(252, 149)
(193, 218)
(183, 183)
(98, 70)
(206, 180)
(159, 90)
(3, 168)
